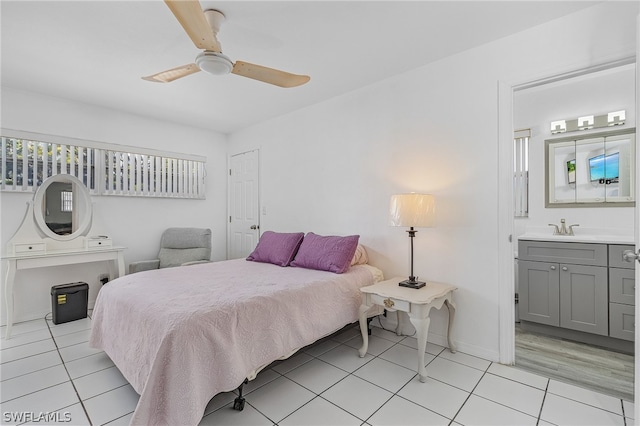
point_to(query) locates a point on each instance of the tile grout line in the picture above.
(318, 395)
(64, 364)
(544, 397)
(117, 418)
(393, 393)
(395, 343)
(402, 387)
(360, 378)
(31, 356)
(589, 404)
(470, 393)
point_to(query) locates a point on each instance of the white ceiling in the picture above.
(97, 51)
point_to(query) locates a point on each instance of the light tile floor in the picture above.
(47, 368)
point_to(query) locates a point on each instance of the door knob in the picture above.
(564, 268)
(255, 227)
(553, 268)
(629, 255)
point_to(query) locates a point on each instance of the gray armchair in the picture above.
(178, 246)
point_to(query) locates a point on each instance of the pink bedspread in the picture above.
(182, 335)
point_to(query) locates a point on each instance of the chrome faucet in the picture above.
(563, 227)
(563, 230)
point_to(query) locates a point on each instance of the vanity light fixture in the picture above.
(412, 210)
(585, 123)
(559, 126)
(616, 118)
(588, 122)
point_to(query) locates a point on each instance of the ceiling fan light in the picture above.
(214, 63)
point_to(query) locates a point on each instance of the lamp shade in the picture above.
(417, 210)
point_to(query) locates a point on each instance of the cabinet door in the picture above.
(539, 292)
(622, 286)
(584, 298)
(622, 321)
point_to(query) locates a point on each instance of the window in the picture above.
(106, 169)
(66, 201)
(138, 174)
(26, 163)
(521, 173)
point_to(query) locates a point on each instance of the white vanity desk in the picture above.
(56, 258)
(38, 242)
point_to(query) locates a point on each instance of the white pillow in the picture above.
(360, 257)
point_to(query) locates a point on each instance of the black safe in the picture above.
(69, 302)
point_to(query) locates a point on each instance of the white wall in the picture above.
(133, 222)
(331, 168)
(536, 108)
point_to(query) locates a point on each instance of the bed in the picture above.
(182, 335)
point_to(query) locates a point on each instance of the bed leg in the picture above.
(238, 403)
(369, 326)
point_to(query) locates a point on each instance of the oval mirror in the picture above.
(62, 207)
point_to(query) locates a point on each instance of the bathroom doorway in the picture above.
(595, 92)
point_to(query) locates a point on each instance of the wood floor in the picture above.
(576, 363)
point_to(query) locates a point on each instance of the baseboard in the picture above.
(390, 323)
(39, 315)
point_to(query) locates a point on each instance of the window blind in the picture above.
(105, 169)
(521, 173)
(153, 175)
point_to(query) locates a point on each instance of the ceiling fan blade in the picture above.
(173, 74)
(190, 15)
(269, 75)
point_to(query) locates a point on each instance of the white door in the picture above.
(636, 386)
(243, 204)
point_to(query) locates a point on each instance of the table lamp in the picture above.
(412, 210)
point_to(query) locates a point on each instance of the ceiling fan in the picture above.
(202, 28)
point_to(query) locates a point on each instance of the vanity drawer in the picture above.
(622, 286)
(96, 243)
(573, 253)
(390, 303)
(22, 249)
(615, 256)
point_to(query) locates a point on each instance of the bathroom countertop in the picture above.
(585, 235)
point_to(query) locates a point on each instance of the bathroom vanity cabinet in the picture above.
(578, 289)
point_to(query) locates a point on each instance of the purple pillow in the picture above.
(277, 248)
(333, 254)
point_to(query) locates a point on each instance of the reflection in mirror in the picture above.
(58, 208)
(587, 151)
(564, 163)
(592, 170)
(62, 207)
(619, 158)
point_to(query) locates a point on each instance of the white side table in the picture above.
(416, 303)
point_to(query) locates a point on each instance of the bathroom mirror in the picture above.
(62, 207)
(593, 170)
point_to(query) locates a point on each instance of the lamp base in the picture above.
(412, 283)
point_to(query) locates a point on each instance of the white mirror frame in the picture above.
(81, 193)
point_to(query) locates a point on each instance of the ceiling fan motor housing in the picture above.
(214, 63)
